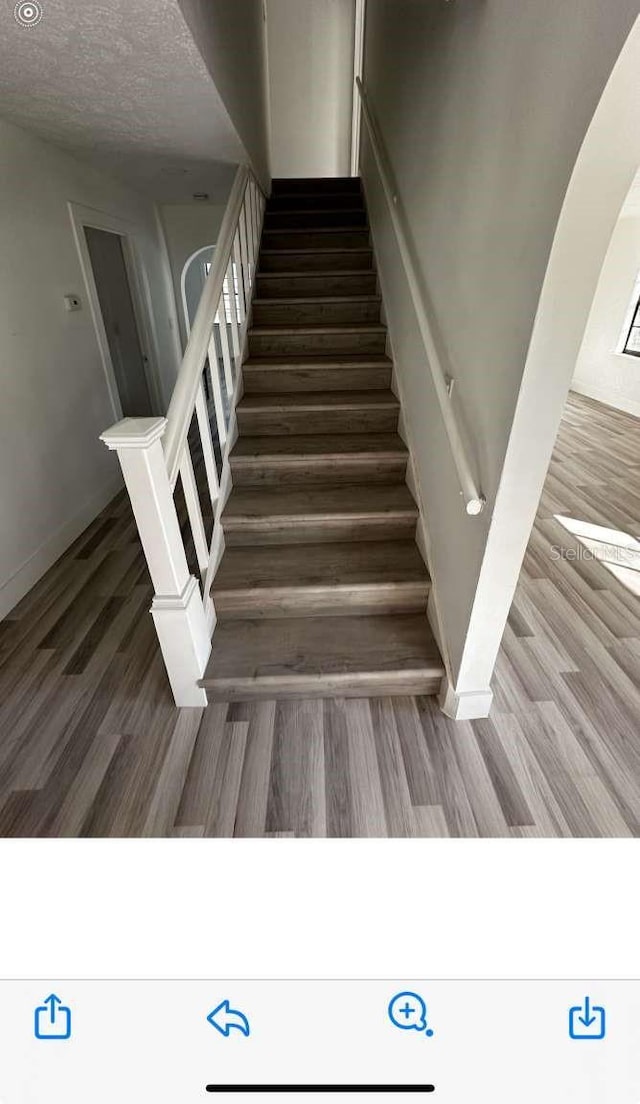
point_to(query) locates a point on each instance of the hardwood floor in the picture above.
(91, 745)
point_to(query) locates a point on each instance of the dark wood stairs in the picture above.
(321, 590)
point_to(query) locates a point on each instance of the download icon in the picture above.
(587, 1021)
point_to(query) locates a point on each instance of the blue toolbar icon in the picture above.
(52, 1019)
(408, 1011)
(587, 1021)
(225, 1019)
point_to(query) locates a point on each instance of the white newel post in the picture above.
(177, 607)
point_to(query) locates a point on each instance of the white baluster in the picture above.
(256, 221)
(235, 333)
(237, 260)
(202, 414)
(177, 607)
(250, 231)
(192, 500)
(244, 261)
(224, 344)
(218, 402)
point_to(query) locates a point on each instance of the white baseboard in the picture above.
(20, 583)
(618, 402)
(467, 706)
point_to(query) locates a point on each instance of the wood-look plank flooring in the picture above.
(91, 745)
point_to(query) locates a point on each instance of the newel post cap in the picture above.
(137, 433)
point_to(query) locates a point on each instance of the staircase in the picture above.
(321, 589)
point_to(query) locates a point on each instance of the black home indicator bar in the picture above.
(321, 1088)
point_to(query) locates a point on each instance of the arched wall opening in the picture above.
(192, 281)
(603, 173)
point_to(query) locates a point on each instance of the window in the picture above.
(632, 340)
(225, 290)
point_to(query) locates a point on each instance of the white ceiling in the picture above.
(120, 84)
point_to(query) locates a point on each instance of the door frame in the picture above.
(128, 232)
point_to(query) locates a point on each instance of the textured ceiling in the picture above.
(120, 83)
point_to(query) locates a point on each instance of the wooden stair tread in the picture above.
(303, 654)
(296, 360)
(320, 444)
(327, 328)
(304, 183)
(317, 400)
(317, 249)
(321, 502)
(283, 300)
(314, 229)
(320, 195)
(331, 565)
(295, 273)
(359, 209)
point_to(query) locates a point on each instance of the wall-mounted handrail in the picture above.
(473, 497)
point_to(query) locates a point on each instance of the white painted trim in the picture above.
(134, 433)
(31, 571)
(618, 402)
(358, 56)
(184, 642)
(471, 705)
(183, 281)
(82, 216)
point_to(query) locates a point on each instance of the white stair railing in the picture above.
(154, 452)
(474, 500)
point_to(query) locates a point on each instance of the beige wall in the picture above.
(483, 107)
(55, 475)
(603, 371)
(311, 44)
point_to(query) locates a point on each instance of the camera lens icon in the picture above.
(408, 1011)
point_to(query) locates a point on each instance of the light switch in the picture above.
(72, 302)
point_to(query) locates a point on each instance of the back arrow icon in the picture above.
(224, 1018)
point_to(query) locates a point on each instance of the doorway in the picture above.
(113, 288)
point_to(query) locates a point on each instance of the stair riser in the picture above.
(291, 422)
(298, 286)
(311, 202)
(242, 533)
(325, 261)
(322, 686)
(302, 185)
(305, 473)
(315, 239)
(325, 344)
(311, 220)
(315, 313)
(360, 601)
(259, 381)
